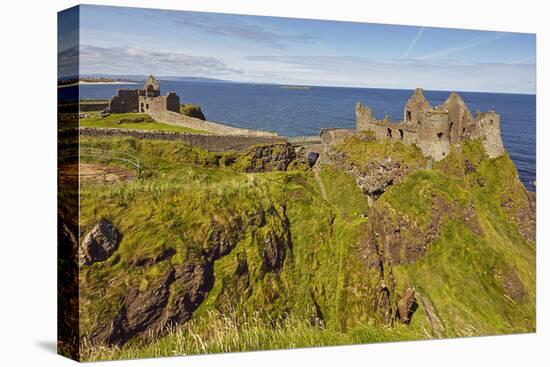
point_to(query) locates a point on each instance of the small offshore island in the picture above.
(300, 87)
(228, 239)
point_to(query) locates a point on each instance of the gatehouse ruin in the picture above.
(147, 99)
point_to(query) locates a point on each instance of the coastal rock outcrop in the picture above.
(406, 306)
(510, 283)
(277, 242)
(402, 240)
(223, 238)
(191, 285)
(192, 110)
(274, 252)
(513, 286)
(269, 157)
(165, 254)
(377, 176)
(524, 213)
(150, 310)
(100, 243)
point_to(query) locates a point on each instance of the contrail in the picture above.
(413, 43)
(476, 42)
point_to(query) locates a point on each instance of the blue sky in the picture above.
(117, 40)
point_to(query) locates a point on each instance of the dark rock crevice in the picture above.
(149, 313)
(138, 312)
(165, 254)
(406, 306)
(277, 242)
(392, 238)
(173, 300)
(403, 240)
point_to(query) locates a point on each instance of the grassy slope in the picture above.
(192, 110)
(113, 121)
(188, 190)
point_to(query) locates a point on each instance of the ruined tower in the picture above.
(144, 100)
(415, 108)
(435, 129)
(459, 116)
(151, 88)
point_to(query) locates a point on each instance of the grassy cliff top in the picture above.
(300, 270)
(140, 121)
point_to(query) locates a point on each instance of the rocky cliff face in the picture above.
(393, 241)
(271, 157)
(180, 288)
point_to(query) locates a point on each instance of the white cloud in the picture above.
(241, 28)
(133, 60)
(435, 75)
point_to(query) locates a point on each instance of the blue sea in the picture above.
(297, 112)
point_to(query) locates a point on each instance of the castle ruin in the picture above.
(144, 100)
(435, 129)
(166, 109)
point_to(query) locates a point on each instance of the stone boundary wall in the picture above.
(178, 119)
(304, 140)
(89, 106)
(216, 143)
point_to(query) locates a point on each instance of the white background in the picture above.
(28, 182)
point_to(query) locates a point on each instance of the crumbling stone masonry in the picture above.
(144, 100)
(435, 129)
(166, 109)
(212, 142)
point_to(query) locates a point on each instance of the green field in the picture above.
(128, 121)
(324, 292)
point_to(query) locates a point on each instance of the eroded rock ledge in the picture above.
(173, 299)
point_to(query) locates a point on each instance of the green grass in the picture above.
(218, 332)
(460, 265)
(125, 121)
(186, 191)
(192, 110)
(361, 150)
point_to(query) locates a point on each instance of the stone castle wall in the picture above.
(216, 143)
(384, 129)
(435, 130)
(166, 109)
(143, 100)
(90, 106)
(170, 102)
(125, 101)
(434, 136)
(173, 118)
(489, 132)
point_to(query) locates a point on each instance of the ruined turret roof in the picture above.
(454, 97)
(418, 100)
(152, 81)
